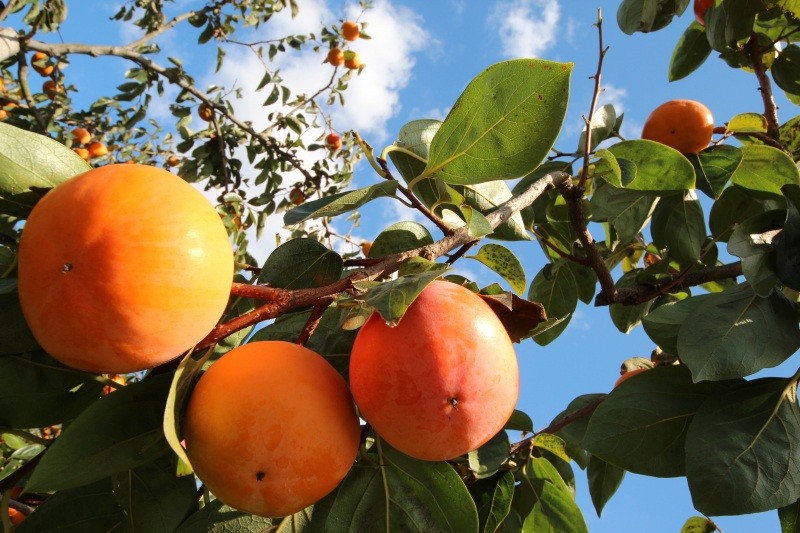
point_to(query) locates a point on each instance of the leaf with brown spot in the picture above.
(518, 315)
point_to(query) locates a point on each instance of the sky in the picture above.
(421, 56)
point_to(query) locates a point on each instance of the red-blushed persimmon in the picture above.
(122, 268)
(296, 196)
(271, 428)
(335, 57)
(700, 8)
(333, 142)
(51, 88)
(685, 125)
(350, 30)
(629, 374)
(173, 161)
(81, 135)
(443, 381)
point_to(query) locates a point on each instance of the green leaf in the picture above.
(336, 204)
(19, 457)
(519, 421)
(604, 480)
(556, 288)
(646, 15)
(418, 496)
(416, 137)
(301, 264)
(602, 127)
(627, 211)
(553, 444)
(553, 508)
(714, 167)
(790, 137)
(574, 432)
(30, 161)
(679, 225)
(478, 224)
(663, 324)
(731, 22)
(15, 335)
(89, 508)
(216, 517)
(737, 204)
(790, 518)
(607, 167)
(691, 51)
(787, 257)
(786, 69)
(641, 426)
(392, 298)
(504, 262)
(743, 449)
(764, 168)
(746, 123)
(486, 460)
(153, 497)
(485, 197)
(503, 124)
(656, 168)
(493, 497)
(752, 241)
(627, 317)
(725, 334)
(120, 432)
(39, 391)
(400, 237)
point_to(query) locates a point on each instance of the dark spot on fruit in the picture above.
(260, 476)
(66, 268)
(454, 402)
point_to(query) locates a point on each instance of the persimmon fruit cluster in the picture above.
(285, 439)
(440, 383)
(123, 268)
(685, 125)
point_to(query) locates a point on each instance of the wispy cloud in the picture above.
(527, 28)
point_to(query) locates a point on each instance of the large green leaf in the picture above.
(641, 426)
(627, 211)
(120, 432)
(547, 502)
(400, 237)
(656, 167)
(415, 137)
(679, 225)
(743, 449)
(153, 498)
(604, 480)
(392, 298)
(647, 15)
(504, 262)
(493, 499)
(627, 317)
(300, 264)
(30, 161)
(751, 241)
(574, 432)
(691, 51)
(15, 335)
(786, 69)
(487, 459)
(503, 124)
(664, 323)
(89, 508)
(730, 22)
(714, 167)
(339, 203)
(735, 205)
(216, 517)
(38, 391)
(391, 488)
(556, 288)
(724, 336)
(764, 168)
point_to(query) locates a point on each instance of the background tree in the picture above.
(620, 222)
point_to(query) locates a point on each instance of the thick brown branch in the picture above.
(643, 293)
(765, 87)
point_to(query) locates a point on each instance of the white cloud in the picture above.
(613, 95)
(527, 28)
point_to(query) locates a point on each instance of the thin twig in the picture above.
(461, 251)
(313, 321)
(587, 148)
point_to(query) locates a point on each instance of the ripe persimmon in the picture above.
(285, 439)
(205, 112)
(51, 88)
(333, 142)
(296, 196)
(40, 65)
(122, 268)
(350, 30)
(685, 125)
(83, 153)
(629, 374)
(97, 149)
(443, 381)
(335, 57)
(352, 60)
(700, 8)
(173, 161)
(16, 516)
(81, 135)
(3, 114)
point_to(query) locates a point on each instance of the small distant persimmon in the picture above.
(97, 149)
(40, 65)
(83, 153)
(51, 88)
(81, 135)
(3, 114)
(629, 374)
(350, 30)
(2, 86)
(352, 60)
(335, 57)
(366, 246)
(296, 196)
(205, 112)
(173, 161)
(333, 141)
(16, 517)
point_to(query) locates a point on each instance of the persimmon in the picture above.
(122, 268)
(685, 125)
(2, 86)
(352, 60)
(40, 65)
(205, 112)
(173, 161)
(16, 516)
(700, 8)
(333, 141)
(97, 149)
(285, 439)
(629, 374)
(296, 196)
(335, 57)
(3, 114)
(350, 30)
(443, 381)
(83, 153)
(81, 135)
(116, 378)
(51, 88)
(366, 246)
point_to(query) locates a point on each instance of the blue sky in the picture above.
(422, 55)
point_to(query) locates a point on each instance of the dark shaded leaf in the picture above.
(604, 480)
(301, 264)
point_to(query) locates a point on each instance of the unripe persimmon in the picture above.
(629, 374)
(443, 381)
(685, 125)
(352, 60)
(205, 112)
(81, 135)
(284, 439)
(122, 268)
(333, 141)
(97, 149)
(335, 57)
(39, 64)
(700, 8)
(350, 30)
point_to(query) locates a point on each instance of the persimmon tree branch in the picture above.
(281, 301)
(765, 88)
(587, 147)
